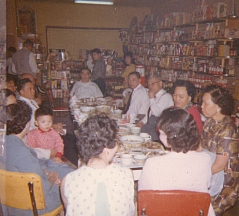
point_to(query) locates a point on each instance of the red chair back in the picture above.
(173, 203)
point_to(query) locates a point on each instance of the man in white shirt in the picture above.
(159, 101)
(139, 100)
(85, 88)
(27, 93)
(23, 61)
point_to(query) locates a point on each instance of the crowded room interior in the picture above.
(119, 107)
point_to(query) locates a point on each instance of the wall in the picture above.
(78, 15)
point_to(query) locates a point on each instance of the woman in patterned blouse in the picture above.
(220, 137)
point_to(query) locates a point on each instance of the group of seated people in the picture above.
(203, 157)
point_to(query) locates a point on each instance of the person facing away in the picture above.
(138, 102)
(24, 60)
(85, 88)
(44, 136)
(99, 70)
(98, 187)
(159, 100)
(184, 168)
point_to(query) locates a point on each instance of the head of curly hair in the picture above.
(221, 97)
(19, 114)
(180, 128)
(95, 134)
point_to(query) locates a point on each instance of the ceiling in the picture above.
(132, 3)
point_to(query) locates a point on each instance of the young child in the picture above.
(44, 136)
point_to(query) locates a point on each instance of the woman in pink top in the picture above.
(183, 168)
(183, 96)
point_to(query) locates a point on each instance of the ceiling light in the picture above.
(101, 2)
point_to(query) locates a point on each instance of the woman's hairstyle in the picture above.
(19, 114)
(180, 128)
(221, 97)
(21, 83)
(135, 73)
(95, 134)
(190, 88)
(43, 111)
(130, 54)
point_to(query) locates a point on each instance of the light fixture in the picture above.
(101, 2)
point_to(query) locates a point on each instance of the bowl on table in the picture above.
(76, 111)
(140, 158)
(126, 159)
(85, 109)
(130, 125)
(135, 130)
(103, 109)
(123, 131)
(118, 112)
(132, 141)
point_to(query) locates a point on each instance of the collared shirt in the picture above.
(99, 70)
(37, 138)
(85, 90)
(162, 101)
(139, 102)
(34, 106)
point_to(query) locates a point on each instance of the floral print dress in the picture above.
(221, 137)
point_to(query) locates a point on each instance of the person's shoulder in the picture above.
(33, 131)
(120, 168)
(201, 156)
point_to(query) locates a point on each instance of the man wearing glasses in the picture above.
(159, 100)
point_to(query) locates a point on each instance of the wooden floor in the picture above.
(234, 211)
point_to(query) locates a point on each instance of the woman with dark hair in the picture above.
(98, 187)
(220, 137)
(20, 158)
(183, 168)
(130, 67)
(183, 96)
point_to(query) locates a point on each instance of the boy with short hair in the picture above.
(44, 136)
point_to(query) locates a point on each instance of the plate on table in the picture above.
(123, 131)
(132, 140)
(153, 147)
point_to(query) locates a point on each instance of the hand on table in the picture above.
(140, 124)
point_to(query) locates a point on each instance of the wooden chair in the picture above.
(23, 191)
(174, 202)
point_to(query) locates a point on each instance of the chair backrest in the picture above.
(173, 202)
(14, 190)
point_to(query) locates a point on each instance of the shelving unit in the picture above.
(202, 52)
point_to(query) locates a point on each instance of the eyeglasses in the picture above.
(152, 84)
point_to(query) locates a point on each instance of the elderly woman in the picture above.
(183, 168)
(98, 187)
(20, 158)
(220, 137)
(183, 96)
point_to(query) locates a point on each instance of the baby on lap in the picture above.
(44, 136)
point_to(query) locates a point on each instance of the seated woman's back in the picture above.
(100, 191)
(177, 171)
